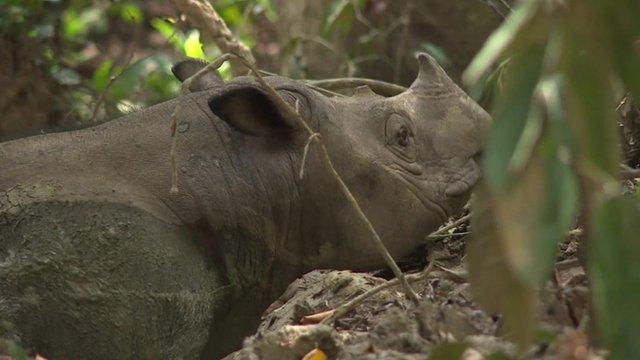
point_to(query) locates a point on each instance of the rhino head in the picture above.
(410, 160)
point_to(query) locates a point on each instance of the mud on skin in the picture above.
(97, 257)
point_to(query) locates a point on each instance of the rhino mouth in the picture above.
(461, 183)
(427, 202)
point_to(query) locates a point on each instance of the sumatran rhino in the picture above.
(98, 259)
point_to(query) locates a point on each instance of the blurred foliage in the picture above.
(106, 55)
(555, 136)
(77, 36)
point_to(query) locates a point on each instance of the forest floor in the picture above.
(447, 324)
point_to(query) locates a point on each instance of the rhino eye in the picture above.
(399, 137)
(403, 136)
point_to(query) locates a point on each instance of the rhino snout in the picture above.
(463, 182)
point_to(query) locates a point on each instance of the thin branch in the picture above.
(360, 16)
(495, 9)
(103, 94)
(443, 236)
(316, 88)
(402, 43)
(350, 305)
(629, 173)
(203, 16)
(305, 152)
(185, 89)
(506, 5)
(291, 113)
(380, 87)
(453, 225)
(457, 276)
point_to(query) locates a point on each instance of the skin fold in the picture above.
(98, 257)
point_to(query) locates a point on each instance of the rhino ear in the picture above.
(251, 110)
(187, 68)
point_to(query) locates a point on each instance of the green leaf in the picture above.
(131, 13)
(77, 24)
(490, 258)
(336, 10)
(590, 105)
(615, 274)
(192, 46)
(511, 31)
(225, 71)
(510, 113)
(615, 25)
(169, 32)
(448, 351)
(232, 15)
(516, 232)
(102, 75)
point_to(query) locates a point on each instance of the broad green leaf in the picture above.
(512, 30)
(590, 103)
(494, 283)
(169, 32)
(615, 274)
(448, 351)
(192, 46)
(101, 76)
(77, 24)
(336, 10)
(232, 15)
(225, 71)
(620, 37)
(510, 113)
(131, 13)
(516, 232)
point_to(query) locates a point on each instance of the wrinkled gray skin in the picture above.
(99, 259)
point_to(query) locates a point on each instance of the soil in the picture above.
(389, 326)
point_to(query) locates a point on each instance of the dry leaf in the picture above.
(316, 318)
(315, 354)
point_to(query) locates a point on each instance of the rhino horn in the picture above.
(430, 75)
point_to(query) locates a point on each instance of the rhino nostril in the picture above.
(477, 157)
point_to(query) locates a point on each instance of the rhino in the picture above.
(99, 259)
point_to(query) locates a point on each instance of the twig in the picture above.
(306, 151)
(112, 80)
(380, 87)
(205, 17)
(306, 82)
(327, 45)
(291, 113)
(349, 305)
(495, 8)
(360, 16)
(185, 89)
(506, 5)
(402, 44)
(442, 236)
(629, 173)
(454, 224)
(458, 276)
